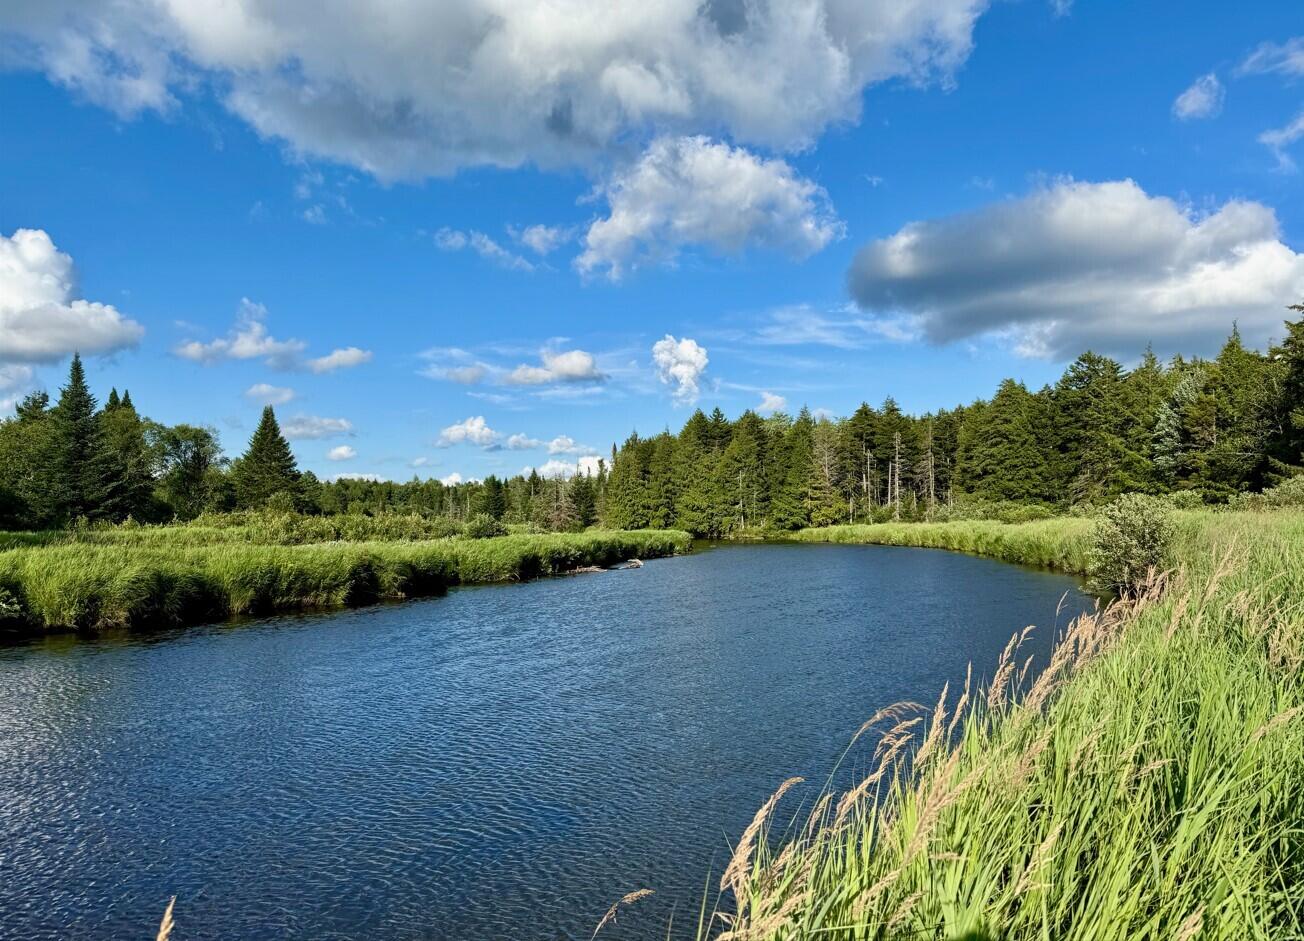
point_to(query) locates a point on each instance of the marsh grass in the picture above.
(93, 586)
(1149, 784)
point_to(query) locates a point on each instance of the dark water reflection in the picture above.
(499, 763)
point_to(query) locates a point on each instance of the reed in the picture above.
(1149, 784)
(152, 582)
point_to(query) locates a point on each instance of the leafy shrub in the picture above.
(483, 526)
(1289, 493)
(10, 608)
(1133, 538)
(1186, 499)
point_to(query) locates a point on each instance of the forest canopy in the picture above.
(1206, 428)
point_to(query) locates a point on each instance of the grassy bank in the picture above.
(121, 580)
(1149, 786)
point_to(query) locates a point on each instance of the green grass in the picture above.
(151, 580)
(1150, 785)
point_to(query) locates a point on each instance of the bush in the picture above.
(1132, 539)
(10, 608)
(1289, 493)
(483, 526)
(1186, 499)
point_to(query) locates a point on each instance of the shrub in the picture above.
(10, 608)
(483, 526)
(1186, 499)
(1289, 493)
(1132, 539)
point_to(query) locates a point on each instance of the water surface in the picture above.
(500, 763)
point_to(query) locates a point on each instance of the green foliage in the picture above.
(1131, 543)
(1147, 785)
(1286, 495)
(154, 576)
(267, 468)
(483, 526)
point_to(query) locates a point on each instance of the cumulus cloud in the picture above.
(251, 339)
(565, 444)
(1203, 99)
(521, 442)
(450, 480)
(771, 403)
(15, 380)
(693, 192)
(680, 364)
(474, 430)
(555, 468)
(407, 90)
(341, 453)
(345, 358)
(557, 366)
(313, 427)
(269, 394)
(1086, 265)
(248, 339)
(41, 320)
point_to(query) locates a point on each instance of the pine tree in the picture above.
(267, 467)
(1002, 455)
(789, 508)
(1287, 447)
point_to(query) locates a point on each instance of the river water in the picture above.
(503, 762)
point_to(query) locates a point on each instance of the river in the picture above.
(502, 762)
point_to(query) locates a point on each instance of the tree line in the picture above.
(1211, 428)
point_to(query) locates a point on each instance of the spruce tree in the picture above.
(130, 461)
(82, 479)
(1287, 449)
(267, 467)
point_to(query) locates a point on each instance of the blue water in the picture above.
(502, 762)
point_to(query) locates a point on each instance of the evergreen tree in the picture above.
(82, 474)
(1002, 456)
(1287, 448)
(583, 500)
(267, 467)
(130, 461)
(789, 508)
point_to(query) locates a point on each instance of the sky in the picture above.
(479, 236)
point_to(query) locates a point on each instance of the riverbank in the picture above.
(1148, 785)
(154, 580)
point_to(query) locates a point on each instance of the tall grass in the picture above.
(1148, 785)
(93, 586)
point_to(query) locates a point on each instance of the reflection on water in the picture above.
(499, 763)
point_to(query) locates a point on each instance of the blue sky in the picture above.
(456, 241)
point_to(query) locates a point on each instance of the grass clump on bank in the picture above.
(93, 586)
(1149, 784)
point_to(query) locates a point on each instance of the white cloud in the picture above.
(345, 358)
(555, 468)
(520, 442)
(680, 364)
(1086, 265)
(15, 381)
(406, 90)
(269, 394)
(314, 215)
(544, 239)
(565, 444)
(313, 427)
(1279, 139)
(470, 431)
(771, 403)
(802, 325)
(341, 453)
(1283, 59)
(450, 480)
(690, 191)
(248, 339)
(451, 240)
(419, 462)
(1204, 99)
(558, 366)
(40, 321)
